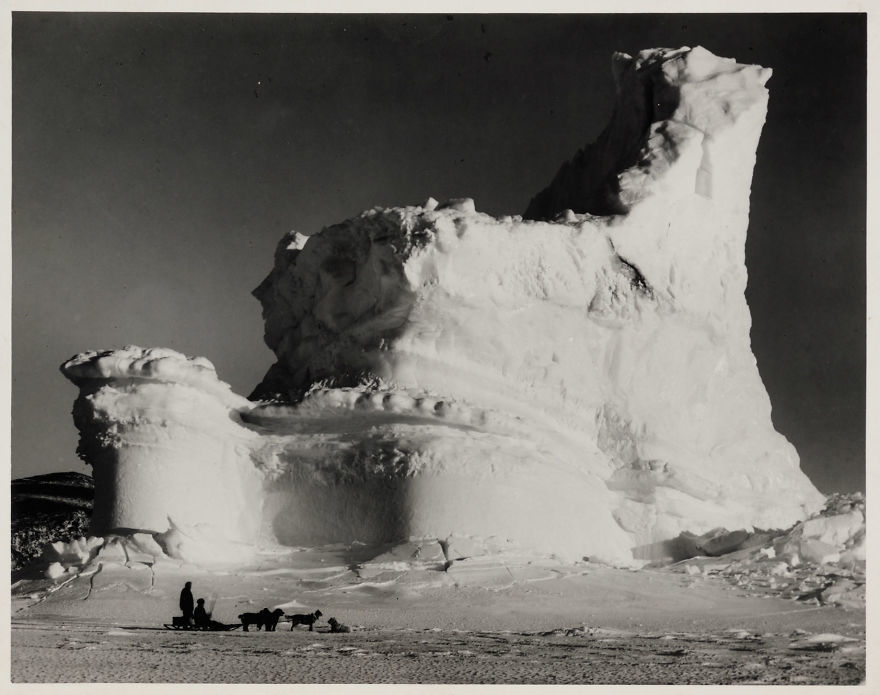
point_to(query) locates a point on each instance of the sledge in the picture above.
(215, 627)
(178, 624)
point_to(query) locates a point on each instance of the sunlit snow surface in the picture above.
(819, 561)
(578, 387)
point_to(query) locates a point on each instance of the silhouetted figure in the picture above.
(186, 603)
(201, 616)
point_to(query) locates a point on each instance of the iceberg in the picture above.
(575, 381)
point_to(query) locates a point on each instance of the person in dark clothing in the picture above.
(201, 617)
(186, 603)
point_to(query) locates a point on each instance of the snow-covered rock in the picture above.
(48, 508)
(582, 386)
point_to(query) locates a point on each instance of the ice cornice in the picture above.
(157, 364)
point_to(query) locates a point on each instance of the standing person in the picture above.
(186, 603)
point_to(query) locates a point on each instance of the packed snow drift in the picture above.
(565, 383)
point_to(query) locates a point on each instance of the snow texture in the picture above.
(571, 384)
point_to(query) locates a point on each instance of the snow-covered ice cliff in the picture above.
(573, 384)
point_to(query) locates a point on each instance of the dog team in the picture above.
(269, 619)
(264, 619)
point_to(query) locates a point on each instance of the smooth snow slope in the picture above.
(583, 386)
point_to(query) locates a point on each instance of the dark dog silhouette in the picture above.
(253, 619)
(336, 626)
(265, 618)
(300, 619)
(270, 620)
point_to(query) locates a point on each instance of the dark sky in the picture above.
(157, 159)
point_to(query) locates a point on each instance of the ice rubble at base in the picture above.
(820, 560)
(579, 387)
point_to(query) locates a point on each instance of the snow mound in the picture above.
(580, 387)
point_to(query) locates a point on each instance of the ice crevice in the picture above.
(92, 575)
(575, 381)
